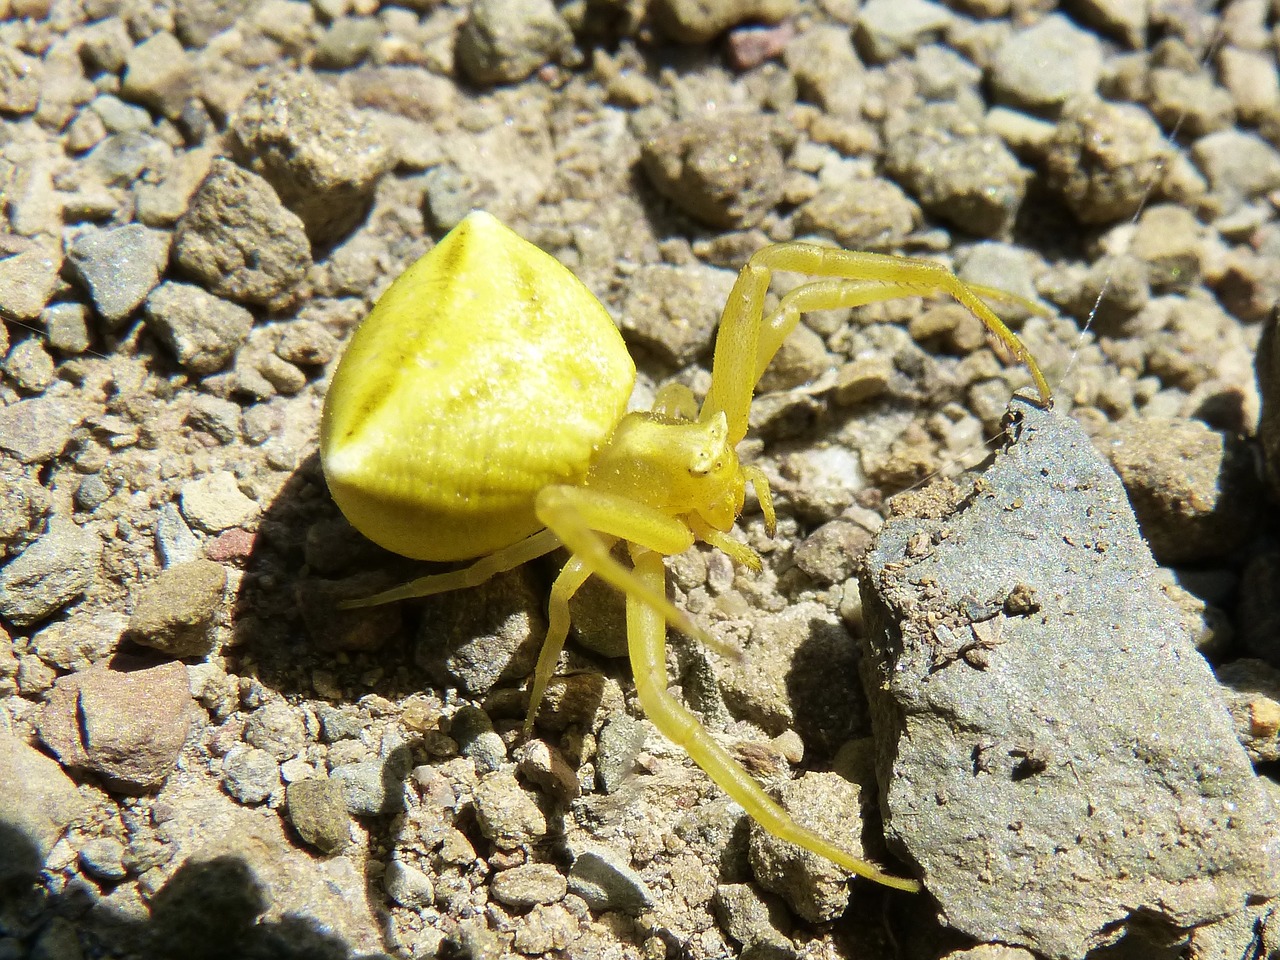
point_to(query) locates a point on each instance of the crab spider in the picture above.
(480, 411)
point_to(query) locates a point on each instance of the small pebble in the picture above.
(250, 775)
(49, 573)
(202, 331)
(507, 813)
(408, 886)
(1043, 66)
(606, 882)
(504, 41)
(175, 613)
(369, 787)
(239, 240)
(214, 503)
(119, 267)
(318, 812)
(28, 279)
(103, 858)
(527, 885)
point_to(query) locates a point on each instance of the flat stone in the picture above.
(528, 884)
(1047, 735)
(160, 74)
(28, 278)
(49, 574)
(701, 21)
(504, 41)
(175, 613)
(606, 881)
(202, 331)
(238, 239)
(1043, 66)
(214, 503)
(126, 722)
(319, 814)
(119, 267)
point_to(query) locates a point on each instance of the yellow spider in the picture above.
(480, 411)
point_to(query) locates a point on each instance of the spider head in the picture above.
(678, 466)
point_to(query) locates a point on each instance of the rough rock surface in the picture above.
(1060, 763)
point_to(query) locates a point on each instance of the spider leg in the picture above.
(572, 575)
(500, 561)
(646, 643)
(748, 338)
(579, 516)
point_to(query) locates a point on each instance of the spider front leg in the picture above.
(749, 338)
(589, 522)
(646, 644)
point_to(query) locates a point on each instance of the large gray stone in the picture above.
(1058, 760)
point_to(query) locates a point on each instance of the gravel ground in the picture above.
(201, 756)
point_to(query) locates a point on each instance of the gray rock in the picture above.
(370, 787)
(338, 725)
(672, 310)
(122, 159)
(49, 574)
(215, 503)
(23, 506)
(832, 552)
(176, 612)
(619, 743)
(871, 214)
(701, 21)
(159, 74)
(203, 331)
(1105, 159)
(507, 813)
(215, 416)
(318, 812)
(250, 775)
(118, 116)
(28, 278)
(76, 643)
(955, 168)
(753, 919)
(238, 239)
(103, 858)
(347, 42)
(408, 886)
(528, 884)
(199, 21)
(19, 81)
(1185, 98)
(38, 429)
(606, 882)
(504, 41)
(814, 887)
(890, 28)
(276, 728)
(482, 635)
(320, 154)
(724, 171)
(473, 730)
(174, 540)
(126, 722)
(1046, 731)
(1192, 488)
(39, 801)
(1042, 67)
(119, 267)
(67, 326)
(29, 365)
(1238, 165)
